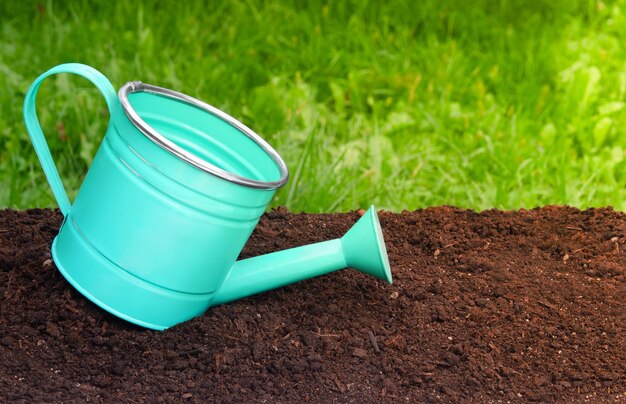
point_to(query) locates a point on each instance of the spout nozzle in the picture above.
(364, 247)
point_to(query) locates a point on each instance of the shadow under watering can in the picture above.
(173, 193)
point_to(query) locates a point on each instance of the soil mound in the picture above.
(492, 306)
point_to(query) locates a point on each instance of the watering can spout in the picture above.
(362, 248)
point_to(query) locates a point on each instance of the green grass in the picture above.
(409, 104)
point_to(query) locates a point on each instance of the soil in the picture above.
(485, 307)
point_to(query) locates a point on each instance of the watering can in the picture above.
(173, 193)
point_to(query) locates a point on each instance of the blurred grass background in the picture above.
(403, 104)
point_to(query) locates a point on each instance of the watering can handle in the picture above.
(36, 134)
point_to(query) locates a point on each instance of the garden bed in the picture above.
(491, 306)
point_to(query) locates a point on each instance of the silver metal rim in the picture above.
(171, 147)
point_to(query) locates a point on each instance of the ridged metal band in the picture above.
(171, 147)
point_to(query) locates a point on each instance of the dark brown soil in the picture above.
(491, 306)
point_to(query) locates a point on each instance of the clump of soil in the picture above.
(491, 306)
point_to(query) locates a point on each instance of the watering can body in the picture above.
(153, 233)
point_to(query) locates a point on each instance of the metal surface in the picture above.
(156, 137)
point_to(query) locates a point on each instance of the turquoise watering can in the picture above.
(173, 193)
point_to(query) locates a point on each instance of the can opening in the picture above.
(203, 136)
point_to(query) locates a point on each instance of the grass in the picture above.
(405, 105)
